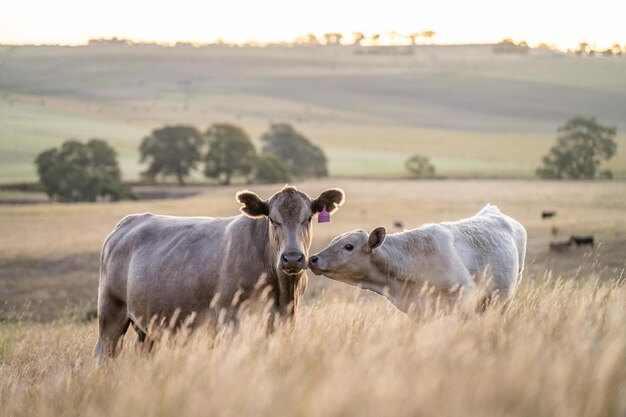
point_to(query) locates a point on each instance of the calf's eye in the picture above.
(349, 247)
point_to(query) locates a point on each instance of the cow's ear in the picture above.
(332, 198)
(253, 206)
(377, 237)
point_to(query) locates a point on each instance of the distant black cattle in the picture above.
(547, 214)
(560, 246)
(582, 240)
(398, 224)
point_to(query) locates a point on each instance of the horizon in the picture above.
(72, 22)
(400, 41)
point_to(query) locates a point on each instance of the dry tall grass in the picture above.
(560, 350)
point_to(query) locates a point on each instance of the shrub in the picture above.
(420, 167)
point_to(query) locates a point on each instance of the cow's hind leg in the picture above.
(144, 343)
(113, 322)
(141, 335)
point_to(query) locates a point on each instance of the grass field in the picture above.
(560, 350)
(49, 252)
(473, 113)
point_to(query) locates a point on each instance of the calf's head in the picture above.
(289, 213)
(350, 257)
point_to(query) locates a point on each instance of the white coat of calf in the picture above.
(434, 263)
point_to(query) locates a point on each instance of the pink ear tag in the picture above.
(323, 216)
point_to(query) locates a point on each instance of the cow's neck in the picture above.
(399, 257)
(394, 275)
(289, 289)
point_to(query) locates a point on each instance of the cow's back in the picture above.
(494, 244)
(157, 264)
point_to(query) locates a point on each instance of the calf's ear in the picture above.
(332, 198)
(377, 237)
(253, 206)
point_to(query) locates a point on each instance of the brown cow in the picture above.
(158, 266)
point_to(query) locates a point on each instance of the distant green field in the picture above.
(473, 113)
(27, 129)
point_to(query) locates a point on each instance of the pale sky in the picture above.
(563, 22)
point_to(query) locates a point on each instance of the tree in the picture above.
(171, 150)
(358, 37)
(308, 39)
(230, 152)
(429, 34)
(332, 38)
(270, 169)
(583, 49)
(81, 172)
(301, 157)
(507, 46)
(616, 49)
(412, 37)
(582, 143)
(419, 166)
(105, 169)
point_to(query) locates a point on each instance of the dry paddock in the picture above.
(560, 350)
(49, 253)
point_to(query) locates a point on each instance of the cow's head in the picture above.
(290, 212)
(350, 257)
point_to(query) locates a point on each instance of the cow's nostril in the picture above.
(284, 259)
(300, 258)
(314, 259)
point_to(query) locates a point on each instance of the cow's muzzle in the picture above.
(292, 262)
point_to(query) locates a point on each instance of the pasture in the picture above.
(560, 350)
(474, 113)
(50, 252)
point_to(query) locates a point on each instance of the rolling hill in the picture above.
(474, 113)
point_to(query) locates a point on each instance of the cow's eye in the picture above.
(349, 247)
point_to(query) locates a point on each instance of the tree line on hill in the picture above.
(90, 171)
(357, 38)
(585, 49)
(508, 46)
(309, 39)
